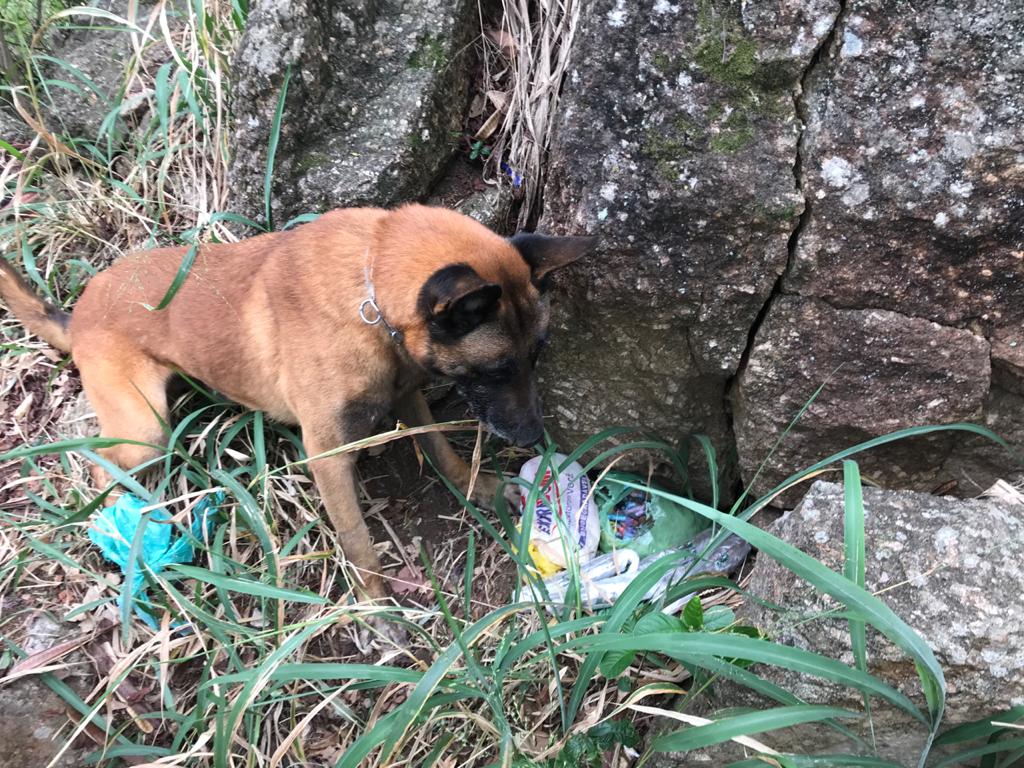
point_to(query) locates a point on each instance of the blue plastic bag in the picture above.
(114, 530)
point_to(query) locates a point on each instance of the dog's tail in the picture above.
(40, 317)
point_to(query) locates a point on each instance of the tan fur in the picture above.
(272, 322)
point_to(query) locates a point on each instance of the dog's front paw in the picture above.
(485, 491)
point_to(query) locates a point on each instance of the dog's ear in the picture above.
(545, 254)
(455, 300)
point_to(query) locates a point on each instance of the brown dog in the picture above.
(328, 326)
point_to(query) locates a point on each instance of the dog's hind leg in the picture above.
(128, 391)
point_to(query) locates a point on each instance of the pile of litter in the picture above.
(572, 521)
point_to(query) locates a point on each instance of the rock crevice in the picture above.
(675, 144)
(818, 60)
(899, 155)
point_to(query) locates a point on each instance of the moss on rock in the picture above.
(429, 53)
(669, 143)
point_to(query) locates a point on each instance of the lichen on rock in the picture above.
(910, 166)
(695, 132)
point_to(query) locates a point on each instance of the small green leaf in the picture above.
(693, 614)
(718, 617)
(656, 621)
(615, 663)
(161, 92)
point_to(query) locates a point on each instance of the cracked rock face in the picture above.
(676, 143)
(376, 90)
(912, 170)
(950, 569)
(929, 374)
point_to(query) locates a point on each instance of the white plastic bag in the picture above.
(561, 501)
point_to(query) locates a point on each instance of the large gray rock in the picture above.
(13, 129)
(376, 91)
(675, 143)
(95, 55)
(928, 373)
(911, 168)
(950, 568)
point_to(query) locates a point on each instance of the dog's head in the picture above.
(481, 309)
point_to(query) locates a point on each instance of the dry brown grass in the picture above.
(525, 61)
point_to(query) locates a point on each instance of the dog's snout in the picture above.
(520, 428)
(529, 434)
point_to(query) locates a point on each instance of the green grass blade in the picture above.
(709, 456)
(384, 729)
(120, 476)
(745, 725)
(326, 671)
(966, 756)
(275, 136)
(437, 750)
(616, 619)
(818, 761)
(417, 700)
(539, 637)
(766, 688)
(28, 260)
(738, 504)
(220, 630)
(134, 750)
(253, 518)
(190, 98)
(980, 729)
(875, 442)
(246, 586)
(467, 587)
(179, 278)
(686, 645)
(259, 447)
(161, 92)
(258, 678)
(872, 609)
(128, 588)
(9, 149)
(301, 219)
(880, 615)
(853, 566)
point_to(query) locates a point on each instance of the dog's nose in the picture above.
(528, 434)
